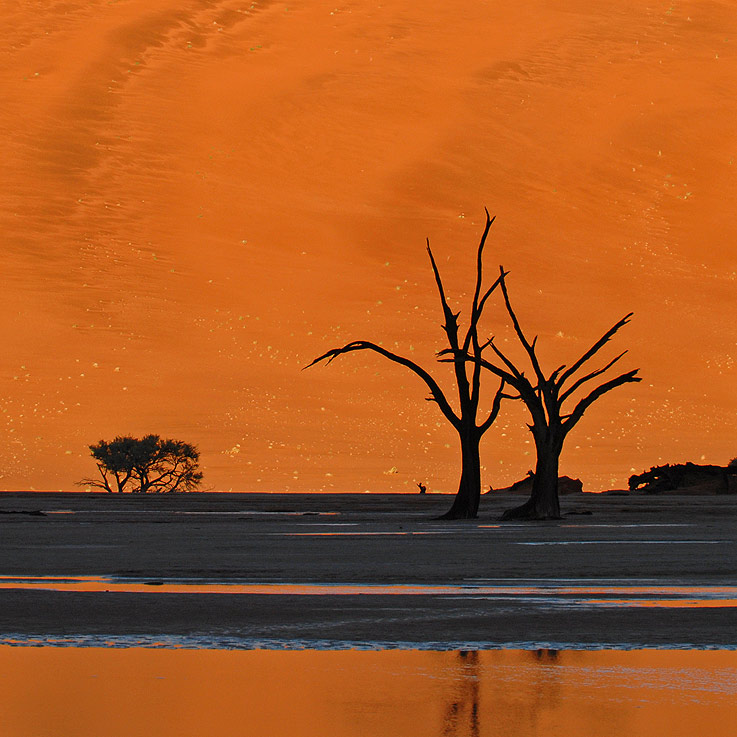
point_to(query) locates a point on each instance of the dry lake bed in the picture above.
(255, 614)
(247, 570)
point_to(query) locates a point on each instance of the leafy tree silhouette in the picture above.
(146, 465)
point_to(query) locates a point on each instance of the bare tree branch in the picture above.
(555, 373)
(490, 291)
(451, 330)
(121, 484)
(451, 318)
(586, 402)
(363, 345)
(475, 309)
(496, 406)
(530, 348)
(515, 372)
(501, 373)
(513, 397)
(588, 377)
(475, 374)
(519, 381)
(96, 484)
(594, 349)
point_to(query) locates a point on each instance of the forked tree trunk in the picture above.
(543, 502)
(466, 502)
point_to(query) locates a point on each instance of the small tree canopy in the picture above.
(142, 465)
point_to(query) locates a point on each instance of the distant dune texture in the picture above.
(200, 197)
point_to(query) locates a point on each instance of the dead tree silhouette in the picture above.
(544, 397)
(466, 502)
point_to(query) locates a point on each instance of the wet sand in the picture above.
(589, 580)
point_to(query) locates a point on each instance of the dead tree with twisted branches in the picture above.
(544, 396)
(467, 378)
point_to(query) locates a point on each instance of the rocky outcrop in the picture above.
(686, 478)
(566, 485)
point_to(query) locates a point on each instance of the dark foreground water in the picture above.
(103, 692)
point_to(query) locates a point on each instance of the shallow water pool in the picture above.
(102, 692)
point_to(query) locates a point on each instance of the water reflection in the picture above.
(547, 594)
(86, 692)
(462, 713)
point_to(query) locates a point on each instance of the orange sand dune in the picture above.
(198, 197)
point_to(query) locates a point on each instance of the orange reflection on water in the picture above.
(87, 692)
(687, 597)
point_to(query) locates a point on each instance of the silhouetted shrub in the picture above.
(145, 465)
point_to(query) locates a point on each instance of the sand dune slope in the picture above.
(198, 197)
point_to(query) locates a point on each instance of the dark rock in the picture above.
(685, 478)
(566, 485)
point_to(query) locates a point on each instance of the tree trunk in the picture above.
(543, 502)
(466, 502)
